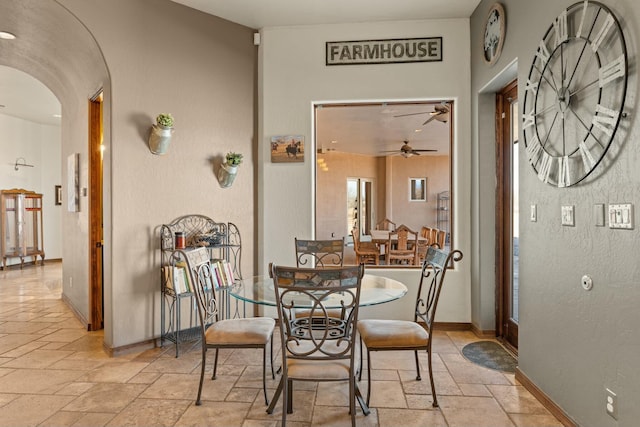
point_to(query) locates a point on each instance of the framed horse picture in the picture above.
(287, 149)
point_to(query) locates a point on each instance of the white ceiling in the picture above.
(27, 98)
(269, 13)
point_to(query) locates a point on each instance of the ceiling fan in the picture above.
(407, 151)
(440, 113)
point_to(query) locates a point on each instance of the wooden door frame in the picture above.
(95, 213)
(504, 239)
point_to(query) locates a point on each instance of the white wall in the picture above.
(40, 146)
(293, 75)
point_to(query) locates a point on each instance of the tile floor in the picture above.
(54, 373)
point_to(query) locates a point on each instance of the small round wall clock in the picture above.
(494, 33)
(575, 94)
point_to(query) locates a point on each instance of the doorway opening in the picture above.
(96, 242)
(507, 216)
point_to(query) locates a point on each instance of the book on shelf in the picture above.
(187, 276)
(167, 277)
(179, 280)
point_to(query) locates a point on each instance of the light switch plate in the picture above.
(534, 213)
(598, 214)
(568, 218)
(621, 216)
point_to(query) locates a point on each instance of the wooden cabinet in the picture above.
(21, 215)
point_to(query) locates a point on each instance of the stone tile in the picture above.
(185, 386)
(37, 359)
(386, 394)
(302, 408)
(339, 417)
(516, 399)
(63, 419)
(410, 418)
(31, 410)
(475, 390)
(466, 372)
(117, 372)
(228, 414)
(37, 381)
(259, 423)
(151, 412)
(473, 411)
(23, 327)
(144, 378)
(65, 335)
(106, 398)
(93, 419)
(75, 388)
(7, 397)
(13, 341)
(528, 420)
(244, 395)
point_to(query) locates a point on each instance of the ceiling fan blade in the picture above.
(426, 151)
(430, 119)
(413, 114)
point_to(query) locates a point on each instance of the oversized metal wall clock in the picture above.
(575, 94)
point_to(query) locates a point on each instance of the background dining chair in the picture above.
(402, 246)
(366, 252)
(319, 253)
(386, 335)
(255, 332)
(317, 347)
(386, 224)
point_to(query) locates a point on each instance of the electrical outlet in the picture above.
(612, 404)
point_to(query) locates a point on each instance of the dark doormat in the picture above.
(490, 355)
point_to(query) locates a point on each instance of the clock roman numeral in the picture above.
(528, 120)
(560, 28)
(606, 26)
(584, 12)
(612, 70)
(587, 158)
(564, 173)
(545, 167)
(533, 150)
(543, 53)
(605, 119)
(531, 87)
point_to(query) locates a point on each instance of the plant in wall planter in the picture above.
(229, 169)
(161, 132)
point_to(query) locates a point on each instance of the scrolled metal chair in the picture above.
(318, 346)
(387, 335)
(255, 332)
(319, 253)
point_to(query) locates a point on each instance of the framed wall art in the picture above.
(287, 149)
(417, 189)
(73, 182)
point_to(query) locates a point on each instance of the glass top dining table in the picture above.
(374, 290)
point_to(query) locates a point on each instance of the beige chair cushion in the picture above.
(384, 334)
(257, 330)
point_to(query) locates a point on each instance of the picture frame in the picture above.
(417, 189)
(58, 195)
(287, 149)
(73, 182)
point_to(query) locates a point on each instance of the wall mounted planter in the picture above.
(160, 139)
(227, 174)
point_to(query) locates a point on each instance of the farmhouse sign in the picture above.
(384, 51)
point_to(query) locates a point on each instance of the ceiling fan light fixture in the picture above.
(406, 154)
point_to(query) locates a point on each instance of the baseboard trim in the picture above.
(451, 326)
(551, 406)
(129, 348)
(490, 333)
(75, 312)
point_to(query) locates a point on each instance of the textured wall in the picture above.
(573, 343)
